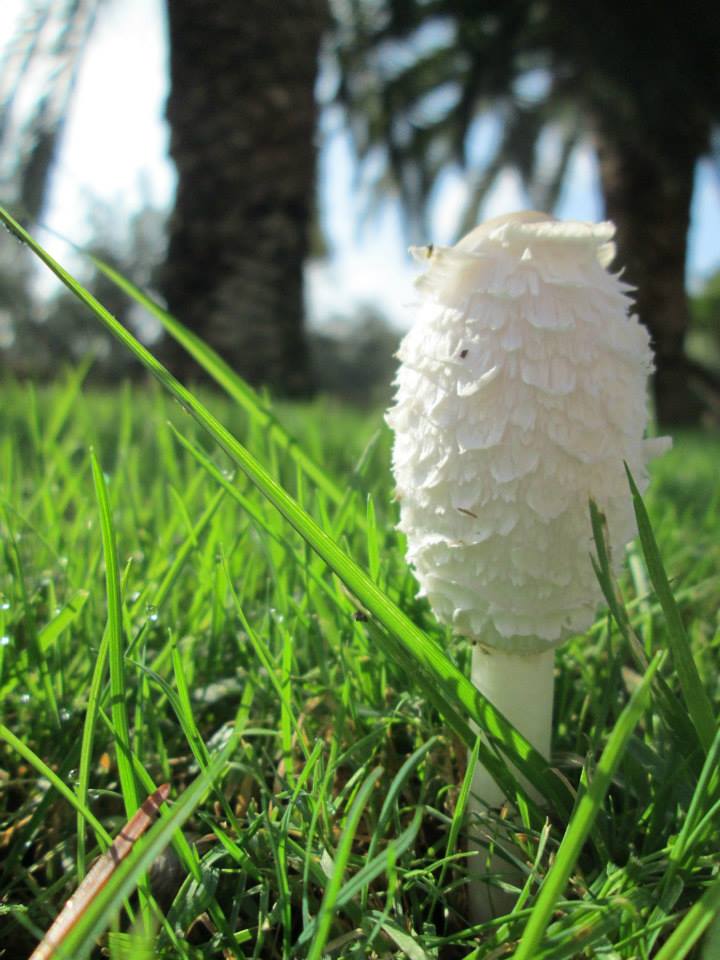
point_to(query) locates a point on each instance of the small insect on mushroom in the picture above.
(517, 440)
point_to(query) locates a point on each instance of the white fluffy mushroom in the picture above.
(521, 392)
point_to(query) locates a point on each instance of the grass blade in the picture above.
(88, 737)
(228, 379)
(81, 940)
(698, 703)
(693, 926)
(342, 855)
(45, 771)
(49, 634)
(582, 820)
(676, 717)
(373, 546)
(116, 650)
(102, 870)
(444, 672)
(458, 819)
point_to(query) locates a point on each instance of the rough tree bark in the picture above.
(648, 185)
(242, 113)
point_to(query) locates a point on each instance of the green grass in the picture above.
(169, 613)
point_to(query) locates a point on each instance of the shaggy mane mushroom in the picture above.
(520, 395)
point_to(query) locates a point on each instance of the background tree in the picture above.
(46, 52)
(243, 116)
(641, 80)
(242, 113)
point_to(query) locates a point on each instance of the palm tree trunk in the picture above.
(648, 185)
(243, 115)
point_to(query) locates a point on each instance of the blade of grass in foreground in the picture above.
(458, 818)
(585, 813)
(672, 710)
(693, 926)
(86, 744)
(359, 882)
(225, 377)
(698, 703)
(342, 855)
(457, 687)
(116, 649)
(80, 942)
(706, 787)
(101, 872)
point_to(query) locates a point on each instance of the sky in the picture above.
(114, 153)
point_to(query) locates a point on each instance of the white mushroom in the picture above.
(521, 393)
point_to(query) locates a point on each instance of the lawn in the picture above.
(229, 622)
(162, 622)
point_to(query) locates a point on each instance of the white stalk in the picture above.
(521, 687)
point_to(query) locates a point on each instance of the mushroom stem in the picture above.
(521, 687)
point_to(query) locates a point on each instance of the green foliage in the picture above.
(706, 304)
(38, 337)
(704, 337)
(316, 765)
(419, 78)
(37, 78)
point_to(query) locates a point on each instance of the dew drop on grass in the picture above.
(134, 596)
(65, 714)
(152, 613)
(5, 641)
(4, 602)
(25, 698)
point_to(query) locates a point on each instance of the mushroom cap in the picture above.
(477, 234)
(521, 393)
